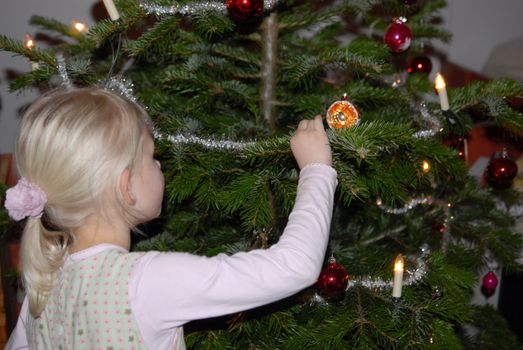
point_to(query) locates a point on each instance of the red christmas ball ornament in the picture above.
(398, 35)
(440, 228)
(420, 64)
(490, 282)
(501, 172)
(244, 10)
(333, 280)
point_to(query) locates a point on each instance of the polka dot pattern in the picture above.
(89, 307)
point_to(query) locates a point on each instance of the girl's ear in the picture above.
(125, 187)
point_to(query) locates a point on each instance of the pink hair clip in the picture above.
(25, 200)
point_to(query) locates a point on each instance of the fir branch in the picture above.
(210, 24)
(103, 30)
(107, 29)
(346, 59)
(426, 12)
(268, 150)
(256, 210)
(302, 70)
(503, 114)
(426, 31)
(493, 327)
(155, 37)
(364, 94)
(53, 25)
(236, 54)
(305, 16)
(40, 76)
(368, 140)
(236, 193)
(504, 88)
(491, 96)
(18, 48)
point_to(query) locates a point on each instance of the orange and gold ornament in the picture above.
(342, 114)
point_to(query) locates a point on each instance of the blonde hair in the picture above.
(74, 144)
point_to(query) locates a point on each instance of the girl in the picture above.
(88, 176)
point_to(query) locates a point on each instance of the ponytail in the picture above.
(42, 255)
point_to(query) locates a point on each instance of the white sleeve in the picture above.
(170, 289)
(18, 338)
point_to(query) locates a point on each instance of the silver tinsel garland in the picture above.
(208, 143)
(62, 71)
(433, 123)
(121, 86)
(195, 7)
(408, 206)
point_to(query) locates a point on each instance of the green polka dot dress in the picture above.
(89, 307)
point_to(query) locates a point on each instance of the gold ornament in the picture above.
(342, 114)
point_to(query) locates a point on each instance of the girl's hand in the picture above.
(310, 143)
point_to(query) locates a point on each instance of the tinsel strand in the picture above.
(195, 7)
(208, 143)
(408, 206)
(433, 123)
(121, 86)
(62, 71)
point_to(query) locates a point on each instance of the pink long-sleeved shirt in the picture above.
(167, 290)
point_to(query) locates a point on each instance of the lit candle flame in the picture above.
(425, 166)
(439, 82)
(79, 26)
(398, 263)
(29, 41)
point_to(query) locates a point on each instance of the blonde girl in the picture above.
(87, 177)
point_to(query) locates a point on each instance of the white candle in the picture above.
(441, 87)
(398, 277)
(30, 44)
(111, 9)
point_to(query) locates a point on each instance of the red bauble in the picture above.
(490, 282)
(420, 64)
(441, 228)
(398, 36)
(500, 172)
(245, 10)
(333, 280)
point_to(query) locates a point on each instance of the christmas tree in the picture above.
(227, 82)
